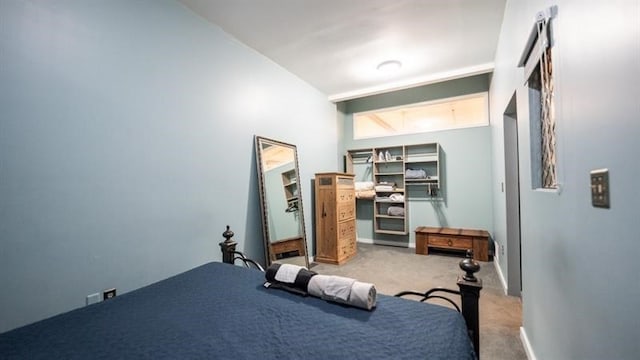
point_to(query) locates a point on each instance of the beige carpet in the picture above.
(394, 269)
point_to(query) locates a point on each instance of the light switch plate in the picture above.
(600, 188)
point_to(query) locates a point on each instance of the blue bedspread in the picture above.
(221, 311)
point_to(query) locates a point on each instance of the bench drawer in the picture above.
(450, 242)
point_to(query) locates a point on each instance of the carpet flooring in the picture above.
(394, 269)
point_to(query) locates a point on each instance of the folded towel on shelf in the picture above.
(343, 290)
(395, 211)
(396, 197)
(384, 187)
(415, 174)
(365, 190)
(365, 194)
(363, 185)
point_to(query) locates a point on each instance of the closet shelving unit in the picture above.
(290, 189)
(389, 204)
(424, 157)
(389, 165)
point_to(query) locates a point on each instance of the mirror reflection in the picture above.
(281, 202)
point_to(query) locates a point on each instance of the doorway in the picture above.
(512, 198)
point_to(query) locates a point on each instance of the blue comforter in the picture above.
(221, 311)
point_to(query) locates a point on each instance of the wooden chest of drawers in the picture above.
(335, 206)
(453, 239)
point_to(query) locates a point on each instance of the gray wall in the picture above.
(580, 296)
(466, 163)
(126, 146)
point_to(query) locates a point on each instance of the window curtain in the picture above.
(538, 73)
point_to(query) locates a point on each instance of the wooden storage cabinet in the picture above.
(453, 239)
(335, 205)
(346, 240)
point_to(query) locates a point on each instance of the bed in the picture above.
(222, 310)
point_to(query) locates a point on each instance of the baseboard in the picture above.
(385, 242)
(505, 287)
(364, 240)
(526, 344)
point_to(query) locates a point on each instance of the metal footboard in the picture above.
(469, 293)
(246, 261)
(429, 295)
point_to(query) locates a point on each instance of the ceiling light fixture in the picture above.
(389, 66)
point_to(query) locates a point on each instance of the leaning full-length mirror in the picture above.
(281, 202)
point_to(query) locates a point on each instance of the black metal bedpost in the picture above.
(470, 287)
(228, 246)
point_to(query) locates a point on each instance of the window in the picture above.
(450, 113)
(538, 66)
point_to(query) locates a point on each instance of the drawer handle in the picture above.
(450, 243)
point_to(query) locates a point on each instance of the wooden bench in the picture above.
(287, 247)
(453, 239)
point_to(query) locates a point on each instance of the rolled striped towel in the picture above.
(289, 275)
(343, 290)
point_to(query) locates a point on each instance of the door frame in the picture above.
(512, 198)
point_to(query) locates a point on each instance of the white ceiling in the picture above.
(336, 45)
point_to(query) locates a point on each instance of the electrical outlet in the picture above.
(108, 294)
(93, 298)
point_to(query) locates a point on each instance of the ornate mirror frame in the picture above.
(281, 202)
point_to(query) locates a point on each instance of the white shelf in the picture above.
(390, 217)
(422, 158)
(397, 190)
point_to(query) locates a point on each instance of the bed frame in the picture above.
(468, 284)
(469, 292)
